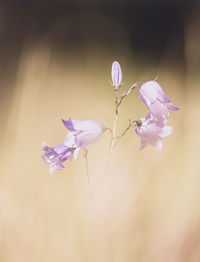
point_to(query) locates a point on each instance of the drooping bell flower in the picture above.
(82, 133)
(152, 94)
(116, 74)
(150, 132)
(55, 156)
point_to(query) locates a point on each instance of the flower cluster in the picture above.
(82, 133)
(151, 129)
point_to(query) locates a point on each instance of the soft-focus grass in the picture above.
(145, 209)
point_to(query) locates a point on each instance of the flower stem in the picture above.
(87, 170)
(129, 127)
(115, 122)
(114, 132)
(118, 101)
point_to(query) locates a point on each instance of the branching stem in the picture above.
(118, 101)
(131, 124)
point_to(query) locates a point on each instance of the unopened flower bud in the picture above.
(116, 74)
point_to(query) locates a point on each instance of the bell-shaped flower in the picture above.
(55, 156)
(82, 133)
(152, 94)
(150, 132)
(116, 74)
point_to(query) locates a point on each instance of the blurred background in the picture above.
(55, 62)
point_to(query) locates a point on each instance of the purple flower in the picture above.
(152, 94)
(55, 156)
(116, 74)
(151, 132)
(82, 133)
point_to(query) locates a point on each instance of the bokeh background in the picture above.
(55, 62)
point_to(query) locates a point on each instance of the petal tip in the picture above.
(52, 169)
(44, 145)
(68, 124)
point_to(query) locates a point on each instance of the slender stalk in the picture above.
(115, 122)
(118, 101)
(129, 127)
(87, 170)
(114, 132)
(126, 93)
(123, 133)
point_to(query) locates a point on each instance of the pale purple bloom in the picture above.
(116, 74)
(82, 133)
(55, 156)
(152, 94)
(151, 132)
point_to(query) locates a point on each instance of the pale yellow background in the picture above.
(147, 207)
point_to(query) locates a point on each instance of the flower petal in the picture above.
(149, 93)
(151, 132)
(158, 145)
(172, 107)
(81, 125)
(76, 152)
(143, 144)
(44, 146)
(159, 110)
(68, 124)
(165, 131)
(55, 156)
(152, 94)
(70, 140)
(52, 168)
(85, 138)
